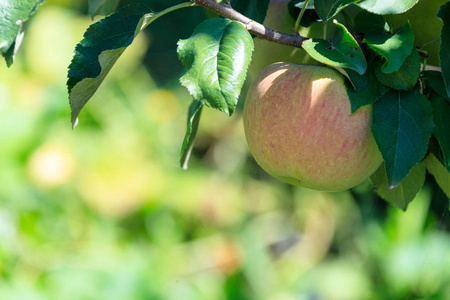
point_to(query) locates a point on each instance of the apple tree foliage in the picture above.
(382, 65)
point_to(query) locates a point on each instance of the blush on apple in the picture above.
(300, 129)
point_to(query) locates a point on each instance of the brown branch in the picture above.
(256, 28)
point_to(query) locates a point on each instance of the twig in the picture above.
(252, 26)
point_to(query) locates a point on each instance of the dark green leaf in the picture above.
(14, 14)
(326, 9)
(103, 43)
(102, 7)
(405, 78)
(439, 172)
(366, 22)
(341, 51)
(371, 93)
(253, 9)
(405, 192)
(393, 47)
(359, 82)
(194, 114)
(435, 81)
(387, 7)
(217, 56)
(402, 126)
(444, 52)
(441, 113)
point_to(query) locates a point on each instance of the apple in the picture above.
(299, 128)
(426, 25)
(266, 53)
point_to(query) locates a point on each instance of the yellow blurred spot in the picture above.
(162, 106)
(50, 165)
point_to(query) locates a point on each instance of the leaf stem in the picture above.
(253, 27)
(297, 23)
(168, 10)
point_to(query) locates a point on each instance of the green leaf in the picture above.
(444, 52)
(365, 22)
(217, 56)
(441, 113)
(326, 9)
(102, 45)
(14, 14)
(439, 172)
(405, 78)
(102, 7)
(402, 126)
(435, 81)
(393, 47)
(387, 7)
(194, 114)
(253, 9)
(341, 51)
(368, 95)
(405, 192)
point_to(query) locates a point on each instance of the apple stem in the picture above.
(294, 40)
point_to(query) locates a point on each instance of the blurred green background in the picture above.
(105, 212)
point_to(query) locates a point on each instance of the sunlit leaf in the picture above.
(393, 47)
(341, 51)
(405, 192)
(402, 126)
(387, 7)
(103, 44)
(217, 56)
(14, 14)
(404, 78)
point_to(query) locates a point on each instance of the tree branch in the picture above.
(253, 27)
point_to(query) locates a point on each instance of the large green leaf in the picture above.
(341, 51)
(326, 9)
(441, 113)
(402, 126)
(194, 114)
(444, 52)
(253, 9)
(102, 7)
(387, 7)
(102, 45)
(366, 21)
(439, 172)
(393, 47)
(14, 14)
(404, 78)
(405, 192)
(217, 56)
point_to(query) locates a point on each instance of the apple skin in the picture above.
(299, 128)
(426, 25)
(266, 53)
